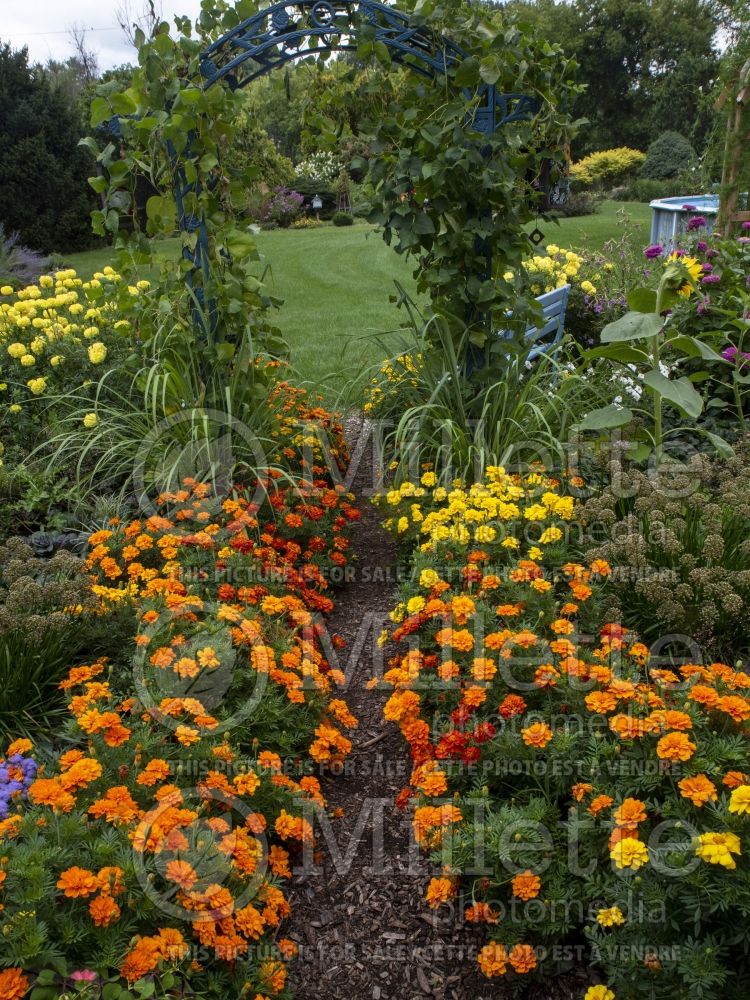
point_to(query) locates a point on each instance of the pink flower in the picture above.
(84, 976)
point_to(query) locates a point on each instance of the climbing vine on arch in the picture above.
(447, 189)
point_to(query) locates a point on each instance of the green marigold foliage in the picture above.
(668, 156)
(607, 167)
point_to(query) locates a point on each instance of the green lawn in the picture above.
(336, 285)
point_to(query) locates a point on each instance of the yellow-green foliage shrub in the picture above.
(607, 167)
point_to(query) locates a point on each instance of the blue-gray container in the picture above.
(670, 216)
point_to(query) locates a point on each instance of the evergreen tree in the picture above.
(45, 196)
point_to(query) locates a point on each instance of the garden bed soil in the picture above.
(364, 929)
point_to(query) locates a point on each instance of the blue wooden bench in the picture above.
(541, 340)
(554, 305)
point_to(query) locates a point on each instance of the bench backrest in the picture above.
(554, 305)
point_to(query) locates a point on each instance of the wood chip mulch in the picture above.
(360, 920)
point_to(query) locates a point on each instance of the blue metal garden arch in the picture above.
(287, 31)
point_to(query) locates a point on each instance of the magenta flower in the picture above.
(710, 279)
(746, 225)
(730, 354)
(688, 208)
(702, 246)
(655, 250)
(697, 222)
(84, 976)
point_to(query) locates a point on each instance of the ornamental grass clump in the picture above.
(680, 554)
(581, 796)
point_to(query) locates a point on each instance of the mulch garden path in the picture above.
(361, 921)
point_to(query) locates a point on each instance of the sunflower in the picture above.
(691, 271)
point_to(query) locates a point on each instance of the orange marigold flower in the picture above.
(733, 779)
(493, 960)
(601, 702)
(735, 707)
(598, 803)
(526, 885)
(675, 746)
(439, 891)
(13, 984)
(76, 882)
(481, 913)
(512, 705)
(580, 790)
(104, 910)
(537, 735)
(116, 805)
(704, 695)
(181, 873)
(630, 813)
(699, 789)
(522, 958)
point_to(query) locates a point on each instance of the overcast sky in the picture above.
(44, 26)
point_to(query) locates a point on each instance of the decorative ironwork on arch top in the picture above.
(285, 32)
(288, 31)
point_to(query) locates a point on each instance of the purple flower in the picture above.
(697, 222)
(688, 208)
(746, 225)
(655, 250)
(731, 353)
(704, 304)
(711, 279)
(701, 246)
(712, 253)
(16, 774)
(707, 268)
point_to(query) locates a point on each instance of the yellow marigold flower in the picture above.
(14, 408)
(739, 801)
(599, 993)
(718, 848)
(37, 345)
(428, 479)
(402, 525)
(629, 853)
(37, 385)
(535, 512)
(56, 359)
(27, 360)
(612, 916)
(415, 604)
(588, 288)
(6, 290)
(90, 420)
(97, 352)
(143, 285)
(16, 349)
(428, 578)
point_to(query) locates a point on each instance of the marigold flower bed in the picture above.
(157, 842)
(584, 798)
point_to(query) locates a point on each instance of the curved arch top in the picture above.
(283, 32)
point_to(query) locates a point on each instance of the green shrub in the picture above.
(579, 203)
(645, 189)
(343, 219)
(43, 173)
(668, 156)
(607, 167)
